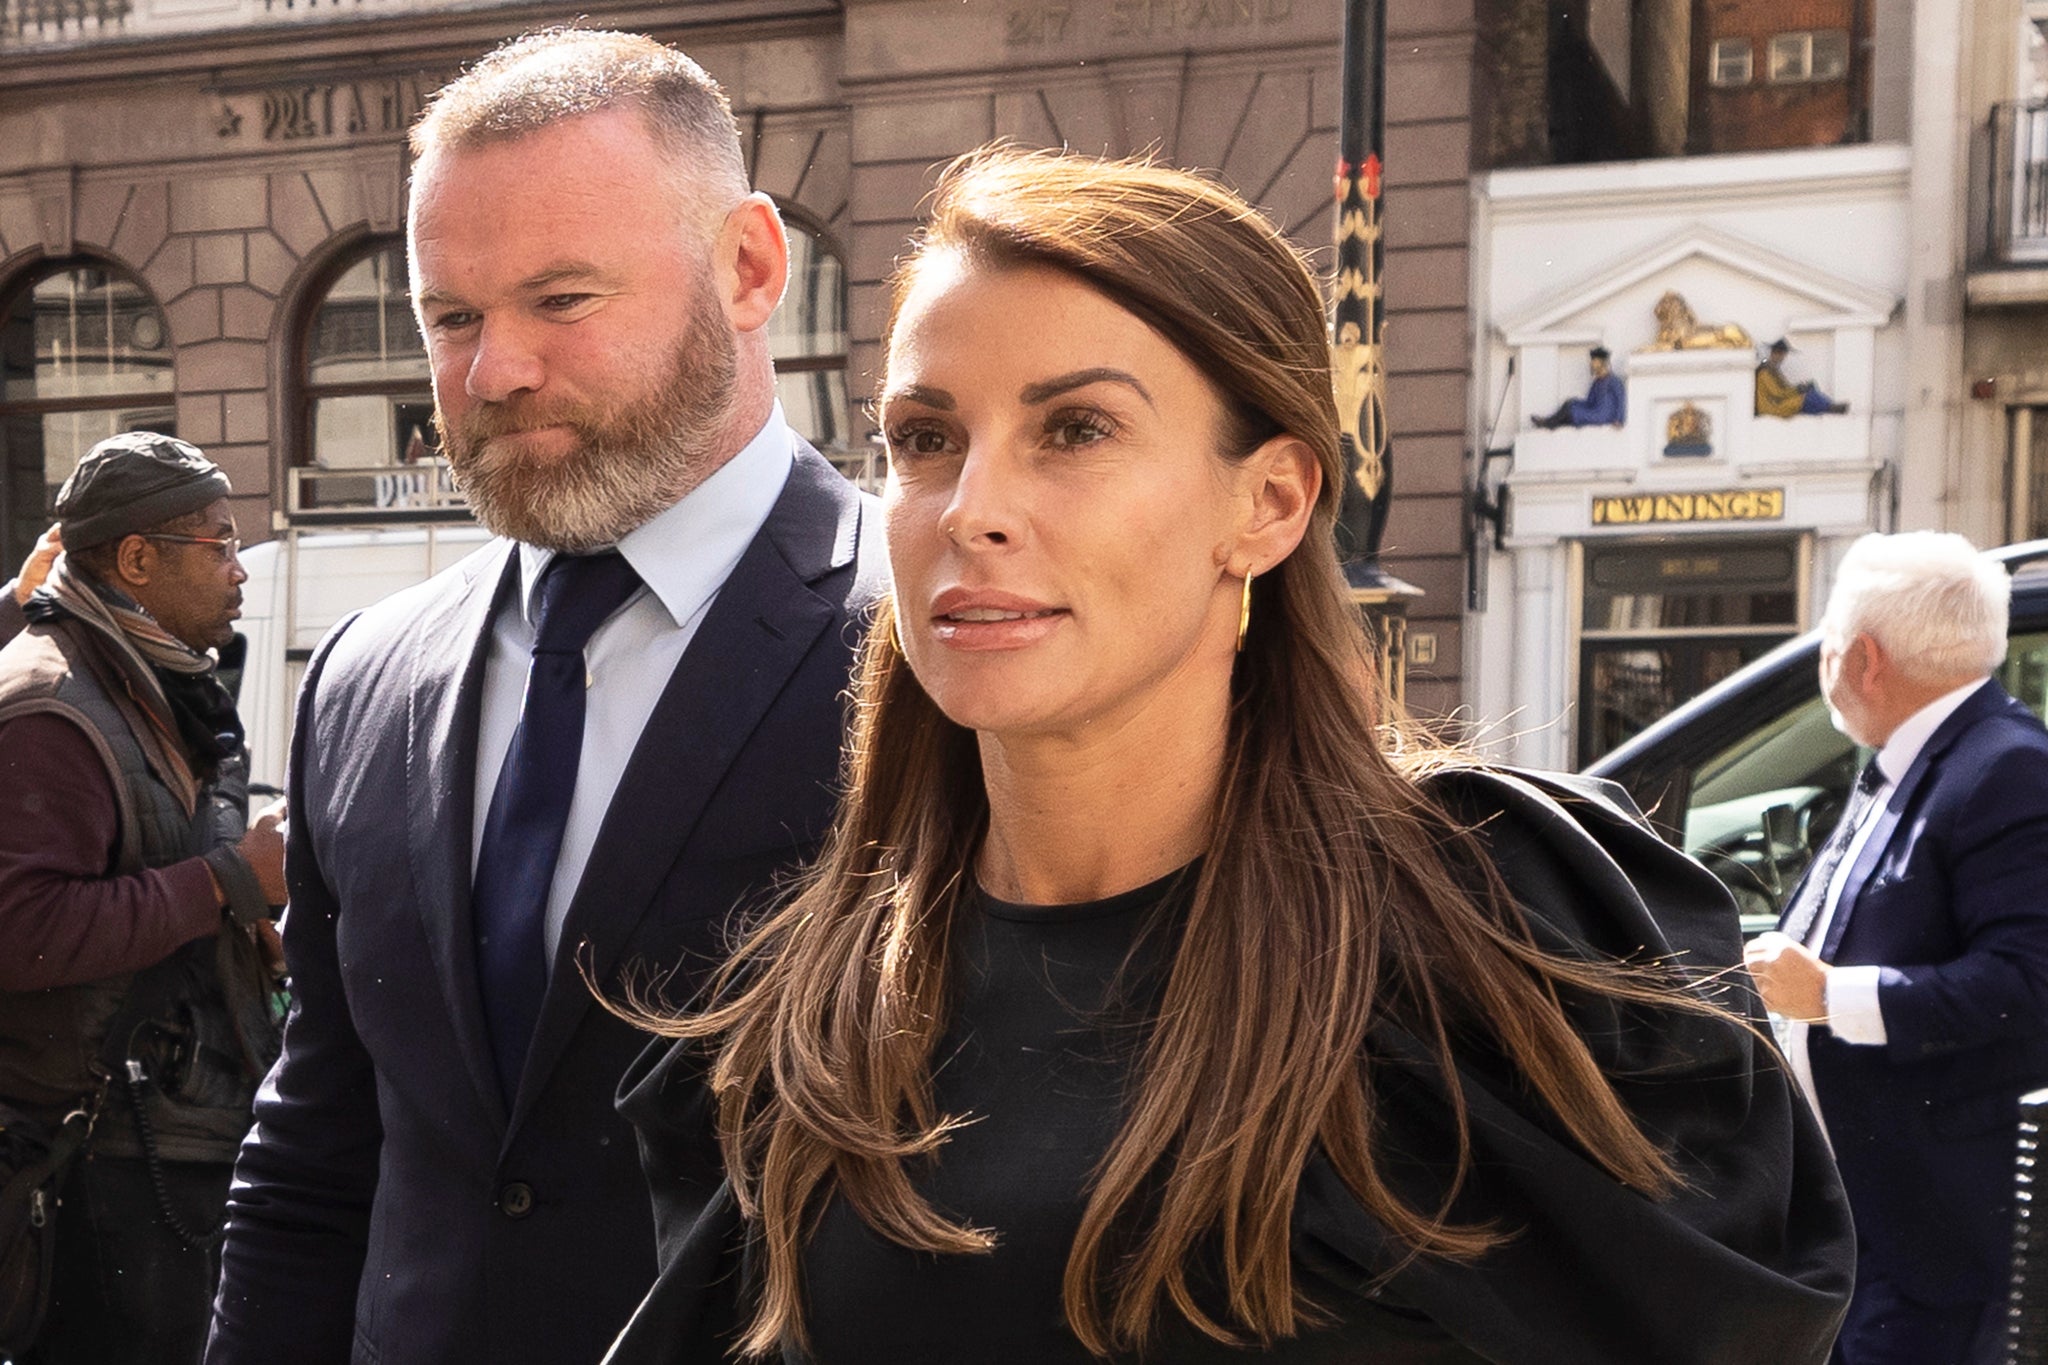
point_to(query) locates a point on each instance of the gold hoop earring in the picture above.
(1244, 612)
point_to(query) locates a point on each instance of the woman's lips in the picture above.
(968, 620)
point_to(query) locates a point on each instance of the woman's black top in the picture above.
(1750, 1262)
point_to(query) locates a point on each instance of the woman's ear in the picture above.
(1281, 481)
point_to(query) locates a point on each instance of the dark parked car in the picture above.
(1749, 776)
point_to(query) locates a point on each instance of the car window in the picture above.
(1762, 806)
(2025, 674)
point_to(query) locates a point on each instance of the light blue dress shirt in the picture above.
(683, 557)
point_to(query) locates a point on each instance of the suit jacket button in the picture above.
(516, 1199)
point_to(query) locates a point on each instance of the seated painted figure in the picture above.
(1605, 403)
(1777, 396)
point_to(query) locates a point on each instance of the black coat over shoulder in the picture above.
(1750, 1261)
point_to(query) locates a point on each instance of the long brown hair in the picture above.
(1326, 901)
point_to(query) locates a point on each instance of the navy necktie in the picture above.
(530, 805)
(1802, 915)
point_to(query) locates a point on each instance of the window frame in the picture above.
(1801, 42)
(22, 284)
(1836, 42)
(856, 458)
(307, 394)
(2026, 429)
(1811, 44)
(1689, 641)
(1720, 58)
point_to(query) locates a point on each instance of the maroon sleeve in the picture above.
(12, 619)
(63, 920)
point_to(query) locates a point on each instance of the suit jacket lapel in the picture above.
(440, 787)
(1986, 701)
(759, 628)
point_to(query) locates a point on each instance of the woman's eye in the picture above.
(916, 440)
(1079, 429)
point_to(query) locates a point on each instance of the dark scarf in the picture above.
(186, 689)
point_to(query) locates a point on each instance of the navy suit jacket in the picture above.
(1949, 896)
(389, 1208)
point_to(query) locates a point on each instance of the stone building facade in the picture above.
(200, 201)
(1901, 247)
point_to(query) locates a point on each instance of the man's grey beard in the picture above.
(632, 461)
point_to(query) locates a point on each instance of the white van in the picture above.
(301, 584)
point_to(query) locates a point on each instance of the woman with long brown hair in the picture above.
(1152, 1000)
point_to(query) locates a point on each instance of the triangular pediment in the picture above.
(1775, 290)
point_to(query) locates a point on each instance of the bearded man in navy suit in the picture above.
(1913, 958)
(563, 762)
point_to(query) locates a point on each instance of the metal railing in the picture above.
(425, 490)
(373, 494)
(65, 23)
(2015, 185)
(59, 21)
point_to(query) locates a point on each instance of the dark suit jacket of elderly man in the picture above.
(391, 1209)
(1949, 896)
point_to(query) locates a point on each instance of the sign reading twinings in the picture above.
(1735, 504)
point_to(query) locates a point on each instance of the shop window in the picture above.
(2033, 73)
(807, 338)
(1819, 55)
(1733, 62)
(368, 401)
(84, 354)
(1663, 621)
(2027, 472)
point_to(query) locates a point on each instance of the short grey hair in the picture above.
(1937, 607)
(557, 74)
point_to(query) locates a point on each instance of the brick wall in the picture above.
(1763, 115)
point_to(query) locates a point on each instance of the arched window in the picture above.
(367, 434)
(807, 337)
(84, 354)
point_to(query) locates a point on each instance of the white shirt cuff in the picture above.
(1853, 1013)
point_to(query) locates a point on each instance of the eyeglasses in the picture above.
(229, 547)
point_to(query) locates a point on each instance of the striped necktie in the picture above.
(1804, 911)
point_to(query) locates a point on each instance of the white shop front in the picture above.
(1639, 562)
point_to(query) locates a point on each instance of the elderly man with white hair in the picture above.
(1913, 957)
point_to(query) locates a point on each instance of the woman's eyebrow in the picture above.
(1100, 374)
(920, 393)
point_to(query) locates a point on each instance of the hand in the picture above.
(37, 566)
(271, 945)
(263, 848)
(1791, 979)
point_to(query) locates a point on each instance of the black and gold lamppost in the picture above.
(1358, 341)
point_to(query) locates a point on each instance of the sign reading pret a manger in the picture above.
(1734, 504)
(321, 109)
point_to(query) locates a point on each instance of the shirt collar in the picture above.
(1899, 752)
(684, 553)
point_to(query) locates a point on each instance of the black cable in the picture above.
(136, 1078)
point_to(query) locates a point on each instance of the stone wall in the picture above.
(235, 193)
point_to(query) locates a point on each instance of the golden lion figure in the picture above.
(1678, 329)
